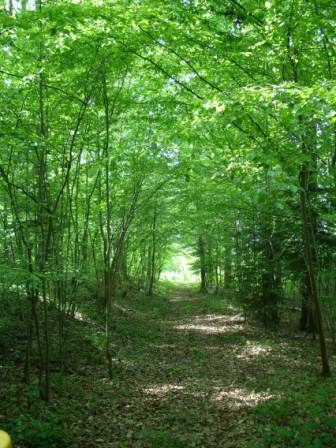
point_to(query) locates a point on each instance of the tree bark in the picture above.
(309, 247)
(201, 252)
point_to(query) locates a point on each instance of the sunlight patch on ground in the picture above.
(252, 350)
(224, 318)
(212, 324)
(184, 299)
(210, 329)
(163, 390)
(238, 398)
(79, 316)
(235, 399)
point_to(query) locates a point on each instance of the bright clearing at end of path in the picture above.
(179, 268)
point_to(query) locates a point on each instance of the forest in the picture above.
(168, 223)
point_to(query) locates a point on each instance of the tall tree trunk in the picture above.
(153, 254)
(201, 253)
(309, 248)
(307, 321)
(227, 267)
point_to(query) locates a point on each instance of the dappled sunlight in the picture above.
(210, 329)
(222, 318)
(253, 350)
(241, 397)
(212, 324)
(79, 316)
(163, 389)
(220, 395)
(184, 298)
(167, 223)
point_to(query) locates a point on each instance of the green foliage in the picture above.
(134, 129)
(302, 419)
(35, 433)
(161, 437)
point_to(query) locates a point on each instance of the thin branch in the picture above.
(49, 86)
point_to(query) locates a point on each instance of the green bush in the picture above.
(35, 433)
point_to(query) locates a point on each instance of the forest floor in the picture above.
(188, 372)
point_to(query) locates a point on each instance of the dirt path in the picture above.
(189, 373)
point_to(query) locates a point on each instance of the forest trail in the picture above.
(189, 373)
(144, 142)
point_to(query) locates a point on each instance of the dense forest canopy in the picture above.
(131, 128)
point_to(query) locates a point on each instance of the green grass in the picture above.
(305, 419)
